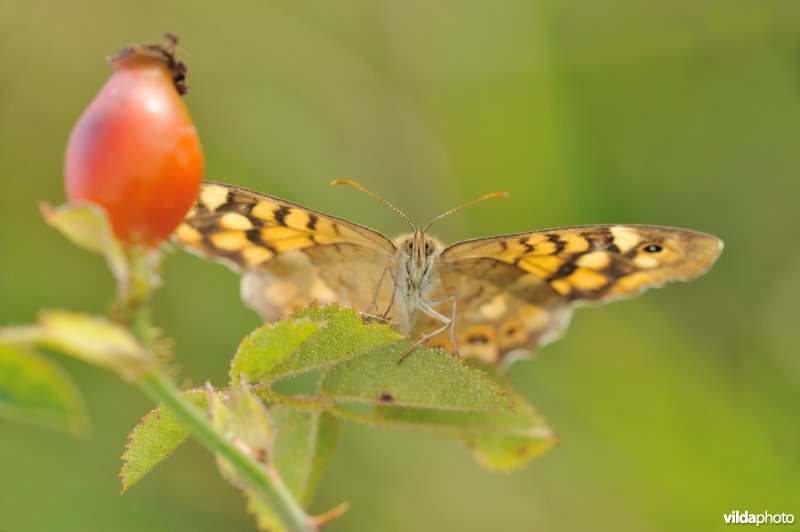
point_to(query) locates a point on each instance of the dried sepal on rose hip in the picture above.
(135, 150)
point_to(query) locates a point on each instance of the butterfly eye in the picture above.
(653, 248)
(428, 248)
(408, 246)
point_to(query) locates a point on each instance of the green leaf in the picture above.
(33, 389)
(429, 378)
(499, 441)
(246, 422)
(86, 225)
(305, 441)
(263, 349)
(154, 439)
(430, 391)
(94, 340)
(344, 336)
(304, 444)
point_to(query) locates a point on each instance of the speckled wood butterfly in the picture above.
(495, 296)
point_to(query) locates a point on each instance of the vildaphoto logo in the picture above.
(746, 518)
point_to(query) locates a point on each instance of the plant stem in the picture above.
(262, 479)
(266, 483)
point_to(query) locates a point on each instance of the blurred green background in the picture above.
(673, 408)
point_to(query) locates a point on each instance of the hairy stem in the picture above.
(264, 481)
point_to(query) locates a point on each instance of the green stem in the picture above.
(265, 482)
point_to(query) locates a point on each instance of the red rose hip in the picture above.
(135, 150)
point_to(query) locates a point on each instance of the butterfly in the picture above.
(489, 298)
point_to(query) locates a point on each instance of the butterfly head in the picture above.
(417, 253)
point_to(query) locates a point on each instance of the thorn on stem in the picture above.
(324, 519)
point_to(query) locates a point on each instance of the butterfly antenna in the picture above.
(366, 191)
(465, 205)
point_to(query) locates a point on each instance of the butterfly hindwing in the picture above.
(499, 309)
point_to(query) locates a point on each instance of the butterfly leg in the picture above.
(383, 317)
(391, 303)
(366, 316)
(452, 326)
(394, 292)
(374, 304)
(427, 308)
(453, 330)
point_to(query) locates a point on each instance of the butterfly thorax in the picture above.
(417, 255)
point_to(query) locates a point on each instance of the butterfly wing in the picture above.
(517, 291)
(288, 254)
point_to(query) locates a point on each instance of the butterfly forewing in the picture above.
(289, 255)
